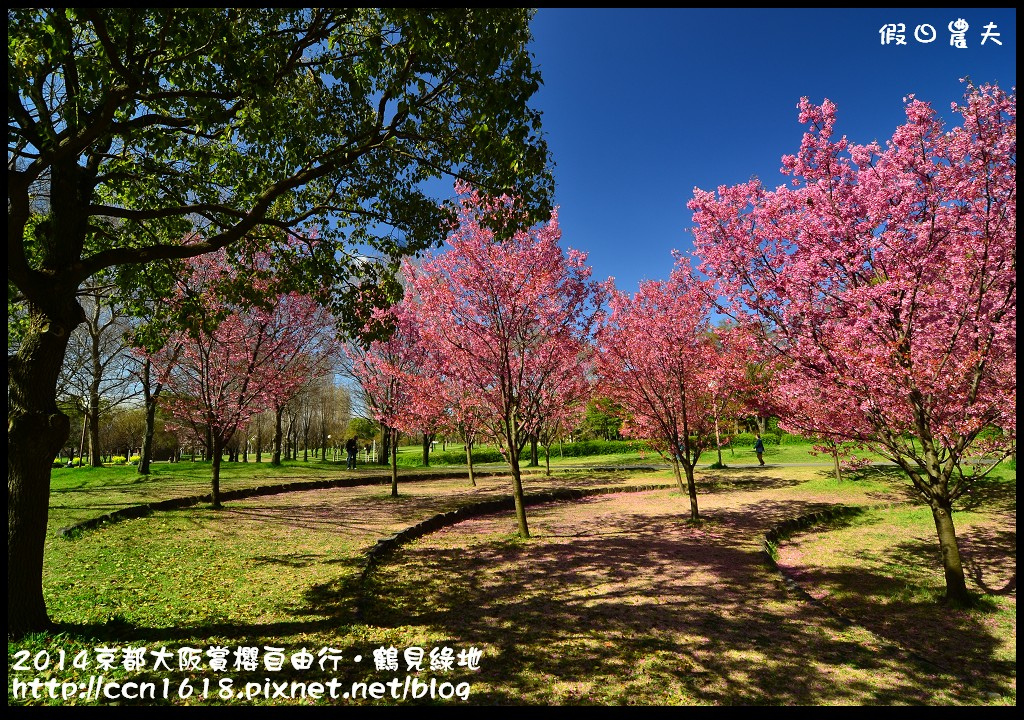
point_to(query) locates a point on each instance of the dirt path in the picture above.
(616, 596)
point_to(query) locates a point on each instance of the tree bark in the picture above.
(517, 492)
(385, 441)
(678, 474)
(469, 462)
(218, 450)
(394, 462)
(276, 458)
(427, 437)
(956, 584)
(36, 431)
(95, 455)
(691, 489)
(150, 399)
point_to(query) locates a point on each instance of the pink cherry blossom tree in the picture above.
(562, 404)
(451, 403)
(393, 375)
(884, 282)
(223, 371)
(661, 362)
(508, 317)
(464, 417)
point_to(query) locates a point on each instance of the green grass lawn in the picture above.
(283, 571)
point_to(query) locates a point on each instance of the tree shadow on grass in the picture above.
(606, 606)
(711, 616)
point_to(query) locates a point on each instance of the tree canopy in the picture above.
(884, 282)
(138, 137)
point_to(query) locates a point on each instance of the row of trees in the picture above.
(511, 342)
(847, 326)
(873, 301)
(315, 423)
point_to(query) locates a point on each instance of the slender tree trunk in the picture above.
(677, 472)
(394, 462)
(835, 462)
(95, 457)
(276, 459)
(385, 445)
(81, 445)
(691, 489)
(218, 450)
(150, 405)
(547, 459)
(517, 491)
(469, 462)
(534, 462)
(718, 441)
(36, 431)
(427, 437)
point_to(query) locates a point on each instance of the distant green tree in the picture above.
(602, 421)
(363, 428)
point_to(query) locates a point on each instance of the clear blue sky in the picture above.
(642, 105)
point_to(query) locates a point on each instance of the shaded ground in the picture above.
(616, 599)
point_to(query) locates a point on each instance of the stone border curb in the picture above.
(146, 509)
(788, 528)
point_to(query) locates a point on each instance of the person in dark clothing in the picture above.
(759, 449)
(352, 447)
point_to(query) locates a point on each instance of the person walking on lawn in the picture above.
(352, 447)
(759, 449)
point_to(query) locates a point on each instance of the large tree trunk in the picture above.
(276, 458)
(933, 487)
(956, 584)
(36, 431)
(218, 451)
(517, 491)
